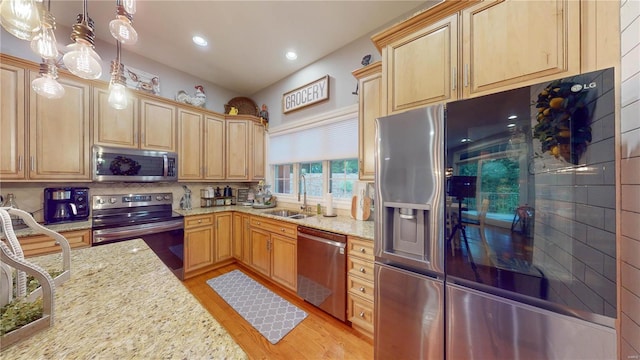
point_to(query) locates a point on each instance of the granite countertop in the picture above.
(122, 302)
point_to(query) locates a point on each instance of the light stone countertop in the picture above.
(122, 302)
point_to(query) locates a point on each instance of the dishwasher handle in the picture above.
(319, 239)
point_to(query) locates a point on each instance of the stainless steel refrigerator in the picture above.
(495, 225)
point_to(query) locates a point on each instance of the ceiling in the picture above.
(247, 39)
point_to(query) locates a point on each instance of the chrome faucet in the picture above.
(304, 184)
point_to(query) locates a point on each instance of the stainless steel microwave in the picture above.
(133, 165)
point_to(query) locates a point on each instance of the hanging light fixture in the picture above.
(20, 18)
(81, 59)
(121, 28)
(117, 91)
(44, 42)
(47, 85)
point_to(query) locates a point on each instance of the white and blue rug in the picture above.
(273, 316)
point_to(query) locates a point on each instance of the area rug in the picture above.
(271, 315)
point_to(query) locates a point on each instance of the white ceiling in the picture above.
(247, 39)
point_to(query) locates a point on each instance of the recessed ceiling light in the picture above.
(511, 125)
(291, 55)
(199, 40)
(512, 117)
(466, 140)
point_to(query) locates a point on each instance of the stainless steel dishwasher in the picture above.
(322, 270)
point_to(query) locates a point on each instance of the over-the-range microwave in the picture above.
(133, 165)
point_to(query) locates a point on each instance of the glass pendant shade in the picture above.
(129, 6)
(82, 60)
(46, 85)
(20, 18)
(44, 42)
(123, 31)
(117, 95)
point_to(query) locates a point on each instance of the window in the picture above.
(283, 179)
(342, 175)
(314, 178)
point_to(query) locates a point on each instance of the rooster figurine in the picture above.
(199, 99)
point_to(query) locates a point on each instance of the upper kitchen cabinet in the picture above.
(157, 125)
(201, 145)
(12, 120)
(214, 145)
(59, 138)
(112, 127)
(421, 67)
(369, 108)
(244, 148)
(507, 44)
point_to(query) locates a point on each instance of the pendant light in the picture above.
(46, 85)
(44, 42)
(117, 91)
(121, 28)
(81, 59)
(20, 18)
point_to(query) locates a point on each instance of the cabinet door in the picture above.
(157, 125)
(12, 120)
(260, 258)
(113, 127)
(369, 108)
(421, 67)
(513, 43)
(246, 239)
(198, 248)
(237, 149)
(190, 145)
(224, 248)
(42, 244)
(284, 261)
(214, 145)
(237, 236)
(59, 133)
(257, 152)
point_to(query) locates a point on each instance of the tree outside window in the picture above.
(342, 176)
(314, 178)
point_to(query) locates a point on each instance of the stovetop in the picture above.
(131, 209)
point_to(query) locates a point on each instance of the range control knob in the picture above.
(167, 197)
(159, 197)
(100, 201)
(113, 200)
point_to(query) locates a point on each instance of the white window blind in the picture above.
(335, 140)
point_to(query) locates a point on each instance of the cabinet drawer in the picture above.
(43, 244)
(360, 248)
(360, 287)
(277, 227)
(360, 268)
(198, 220)
(361, 313)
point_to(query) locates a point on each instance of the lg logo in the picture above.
(579, 87)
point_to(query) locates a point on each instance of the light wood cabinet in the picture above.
(214, 145)
(190, 145)
(59, 138)
(465, 49)
(42, 244)
(199, 244)
(223, 236)
(12, 121)
(369, 108)
(360, 284)
(113, 127)
(157, 125)
(241, 237)
(244, 148)
(274, 250)
(257, 151)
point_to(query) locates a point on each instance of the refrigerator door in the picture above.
(483, 326)
(409, 316)
(409, 189)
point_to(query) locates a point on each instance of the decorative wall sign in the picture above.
(309, 94)
(140, 80)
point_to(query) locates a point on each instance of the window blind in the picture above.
(336, 140)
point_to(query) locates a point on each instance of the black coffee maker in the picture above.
(66, 204)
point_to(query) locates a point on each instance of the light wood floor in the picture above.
(319, 336)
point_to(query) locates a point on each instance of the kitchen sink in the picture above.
(291, 214)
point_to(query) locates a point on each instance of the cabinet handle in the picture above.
(33, 163)
(362, 250)
(199, 221)
(361, 314)
(362, 289)
(258, 222)
(20, 162)
(454, 79)
(362, 270)
(466, 75)
(282, 230)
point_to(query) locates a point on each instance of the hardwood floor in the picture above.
(319, 336)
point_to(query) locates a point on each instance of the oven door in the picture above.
(166, 239)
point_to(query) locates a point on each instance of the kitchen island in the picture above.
(122, 302)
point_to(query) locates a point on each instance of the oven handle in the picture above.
(135, 231)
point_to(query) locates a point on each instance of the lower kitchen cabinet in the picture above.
(360, 284)
(207, 242)
(274, 250)
(223, 239)
(240, 242)
(42, 244)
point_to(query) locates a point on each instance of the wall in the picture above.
(630, 180)
(171, 80)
